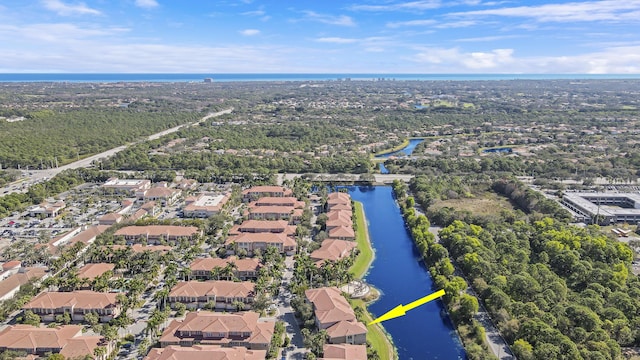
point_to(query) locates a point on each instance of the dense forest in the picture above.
(65, 135)
(556, 291)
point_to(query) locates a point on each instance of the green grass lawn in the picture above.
(376, 335)
(364, 259)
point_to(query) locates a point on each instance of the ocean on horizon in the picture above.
(172, 77)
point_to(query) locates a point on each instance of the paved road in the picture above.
(380, 178)
(34, 176)
(286, 314)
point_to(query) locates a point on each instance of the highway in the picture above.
(35, 176)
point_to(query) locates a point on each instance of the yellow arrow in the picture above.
(401, 310)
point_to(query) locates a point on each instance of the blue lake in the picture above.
(425, 332)
(407, 150)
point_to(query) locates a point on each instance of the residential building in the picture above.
(110, 219)
(344, 352)
(139, 248)
(338, 201)
(77, 303)
(204, 205)
(155, 234)
(264, 226)
(92, 271)
(271, 212)
(151, 207)
(83, 235)
(332, 250)
(65, 340)
(334, 314)
(196, 294)
(10, 285)
(254, 241)
(202, 352)
(256, 192)
(126, 186)
(342, 233)
(246, 268)
(279, 201)
(228, 330)
(338, 218)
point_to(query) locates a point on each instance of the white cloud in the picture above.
(604, 10)
(401, 6)
(336, 40)
(250, 32)
(488, 38)
(56, 32)
(147, 4)
(254, 13)
(398, 24)
(614, 60)
(469, 61)
(341, 20)
(69, 9)
(456, 24)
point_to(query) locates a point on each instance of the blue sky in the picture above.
(320, 36)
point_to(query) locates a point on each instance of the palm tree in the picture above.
(229, 270)
(100, 352)
(215, 273)
(238, 305)
(185, 273)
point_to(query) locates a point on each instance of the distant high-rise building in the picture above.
(208, 80)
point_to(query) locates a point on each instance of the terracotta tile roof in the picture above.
(140, 213)
(222, 323)
(110, 217)
(154, 231)
(271, 209)
(340, 207)
(218, 288)
(329, 305)
(342, 231)
(81, 346)
(333, 250)
(82, 299)
(207, 264)
(150, 205)
(92, 271)
(338, 196)
(344, 352)
(89, 234)
(11, 265)
(16, 280)
(339, 214)
(344, 328)
(27, 337)
(205, 352)
(331, 223)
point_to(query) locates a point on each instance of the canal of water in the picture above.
(405, 151)
(425, 332)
